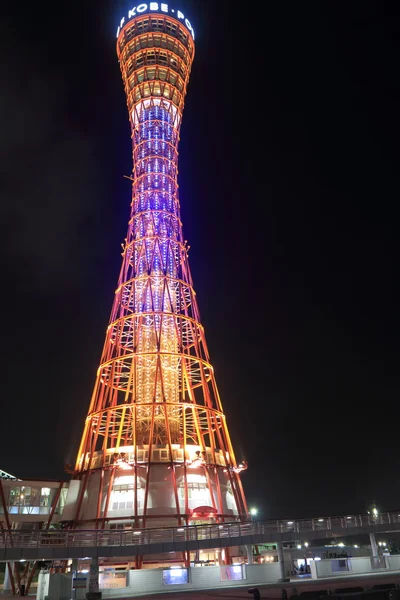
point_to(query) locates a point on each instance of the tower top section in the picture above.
(155, 8)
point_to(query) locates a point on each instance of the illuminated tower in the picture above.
(155, 450)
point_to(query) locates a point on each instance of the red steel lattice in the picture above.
(156, 448)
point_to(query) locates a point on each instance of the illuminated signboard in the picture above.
(175, 576)
(159, 7)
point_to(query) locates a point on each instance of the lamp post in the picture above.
(253, 513)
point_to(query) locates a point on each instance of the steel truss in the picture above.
(155, 413)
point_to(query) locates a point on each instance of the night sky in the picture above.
(289, 188)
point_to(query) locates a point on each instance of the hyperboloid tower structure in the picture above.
(155, 450)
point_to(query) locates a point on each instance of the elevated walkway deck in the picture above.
(68, 544)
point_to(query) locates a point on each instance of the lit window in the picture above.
(122, 497)
(15, 494)
(45, 497)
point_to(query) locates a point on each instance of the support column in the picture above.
(249, 549)
(7, 579)
(74, 567)
(281, 559)
(74, 573)
(374, 546)
(93, 592)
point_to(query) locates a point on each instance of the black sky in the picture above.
(289, 182)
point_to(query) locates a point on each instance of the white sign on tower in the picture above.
(160, 7)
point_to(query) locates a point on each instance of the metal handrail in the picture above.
(218, 531)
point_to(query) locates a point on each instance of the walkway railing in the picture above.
(221, 533)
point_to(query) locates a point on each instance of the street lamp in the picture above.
(374, 511)
(253, 512)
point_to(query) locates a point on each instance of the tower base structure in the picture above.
(133, 489)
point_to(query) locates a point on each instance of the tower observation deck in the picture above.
(155, 449)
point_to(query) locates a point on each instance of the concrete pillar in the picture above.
(74, 567)
(249, 549)
(93, 592)
(7, 580)
(74, 573)
(374, 546)
(281, 559)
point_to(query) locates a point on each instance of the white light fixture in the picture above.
(137, 533)
(306, 544)
(290, 522)
(298, 547)
(320, 520)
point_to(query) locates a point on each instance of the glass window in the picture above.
(29, 496)
(45, 497)
(122, 497)
(62, 500)
(150, 57)
(15, 494)
(151, 73)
